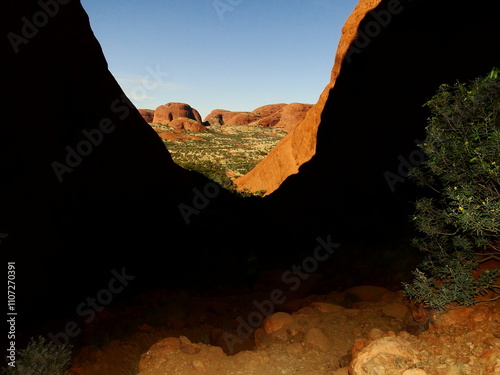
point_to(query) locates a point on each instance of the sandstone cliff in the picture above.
(299, 145)
(281, 115)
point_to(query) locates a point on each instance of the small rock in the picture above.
(375, 334)
(403, 335)
(316, 339)
(492, 342)
(277, 321)
(341, 371)
(478, 316)
(453, 317)
(198, 365)
(359, 345)
(493, 362)
(260, 337)
(352, 313)
(187, 346)
(395, 310)
(295, 348)
(489, 353)
(383, 354)
(414, 371)
(327, 307)
(453, 370)
(307, 311)
(357, 332)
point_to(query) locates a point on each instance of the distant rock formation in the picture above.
(269, 114)
(243, 118)
(219, 116)
(184, 123)
(281, 115)
(147, 115)
(268, 110)
(169, 112)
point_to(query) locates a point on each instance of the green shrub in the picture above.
(460, 218)
(41, 358)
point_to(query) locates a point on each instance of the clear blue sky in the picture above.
(219, 54)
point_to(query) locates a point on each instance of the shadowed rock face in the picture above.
(281, 115)
(85, 181)
(379, 82)
(371, 112)
(100, 191)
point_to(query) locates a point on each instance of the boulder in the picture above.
(327, 307)
(384, 356)
(316, 339)
(276, 321)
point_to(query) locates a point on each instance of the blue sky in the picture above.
(219, 54)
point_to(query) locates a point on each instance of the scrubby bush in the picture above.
(41, 357)
(459, 219)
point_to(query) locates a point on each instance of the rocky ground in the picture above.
(365, 330)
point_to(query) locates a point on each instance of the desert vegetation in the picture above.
(41, 357)
(459, 216)
(222, 153)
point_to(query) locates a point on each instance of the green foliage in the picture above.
(41, 358)
(460, 221)
(225, 151)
